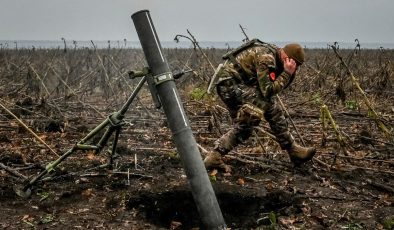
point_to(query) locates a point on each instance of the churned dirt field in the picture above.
(61, 95)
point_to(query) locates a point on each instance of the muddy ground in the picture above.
(147, 187)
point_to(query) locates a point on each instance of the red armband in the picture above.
(272, 76)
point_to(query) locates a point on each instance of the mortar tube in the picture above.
(201, 187)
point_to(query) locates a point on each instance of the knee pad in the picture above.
(250, 114)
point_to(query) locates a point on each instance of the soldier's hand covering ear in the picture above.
(290, 66)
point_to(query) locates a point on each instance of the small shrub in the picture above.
(352, 105)
(316, 98)
(197, 94)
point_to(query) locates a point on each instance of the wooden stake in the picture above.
(28, 129)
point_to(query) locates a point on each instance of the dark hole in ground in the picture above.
(241, 209)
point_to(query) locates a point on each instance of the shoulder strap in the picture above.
(234, 52)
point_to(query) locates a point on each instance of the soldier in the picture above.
(248, 82)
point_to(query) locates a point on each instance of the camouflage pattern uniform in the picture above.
(250, 96)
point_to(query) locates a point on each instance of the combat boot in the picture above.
(215, 160)
(299, 154)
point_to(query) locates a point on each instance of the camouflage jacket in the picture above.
(264, 67)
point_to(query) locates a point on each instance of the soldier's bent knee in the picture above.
(249, 114)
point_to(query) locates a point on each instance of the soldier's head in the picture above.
(295, 52)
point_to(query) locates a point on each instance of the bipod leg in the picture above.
(25, 190)
(113, 150)
(105, 138)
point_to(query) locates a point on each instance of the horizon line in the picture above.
(213, 41)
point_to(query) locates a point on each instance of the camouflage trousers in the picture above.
(247, 108)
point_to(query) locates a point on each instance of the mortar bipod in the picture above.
(113, 123)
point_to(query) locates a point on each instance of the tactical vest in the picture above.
(231, 56)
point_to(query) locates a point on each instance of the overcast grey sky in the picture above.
(208, 20)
